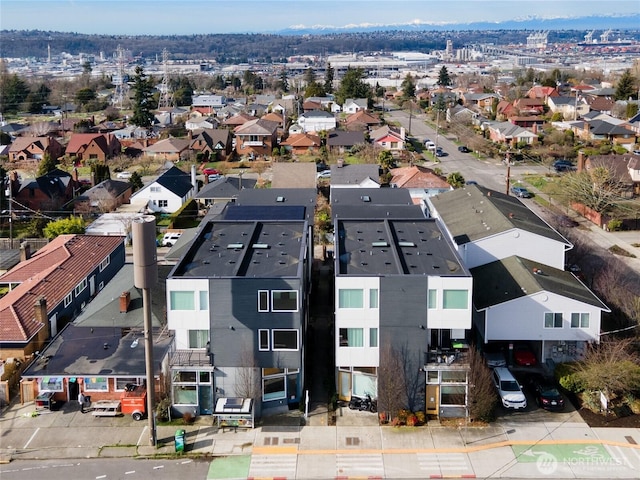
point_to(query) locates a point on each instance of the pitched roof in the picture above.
(52, 273)
(225, 187)
(361, 116)
(169, 145)
(340, 138)
(52, 184)
(600, 127)
(473, 213)
(239, 119)
(516, 277)
(21, 143)
(417, 177)
(353, 174)
(107, 189)
(257, 127)
(79, 141)
(301, 140)
(176, 181)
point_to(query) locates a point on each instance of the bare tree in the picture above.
(482, 399)
(598, 188)
(247, 376)
(391, 382)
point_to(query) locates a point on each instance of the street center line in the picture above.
(31, 438)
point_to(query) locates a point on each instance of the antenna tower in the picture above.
(166, 97)
(119, 79)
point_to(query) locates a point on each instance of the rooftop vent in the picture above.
(406, 244)
(379, 244)
(235, 245)
(365, 198)
(280, 199)
(262, 246)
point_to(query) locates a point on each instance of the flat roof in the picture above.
(246, 248)
(395, 247)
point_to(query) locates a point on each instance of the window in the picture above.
(122, 382)
(373, 298)
(105, 263)
(432, 299)
(51, 384)
(155, 189)
(452, 395)
(204, 300)
(182, 301)
(80, 287)
(350, 298)
(198, 338)
(373, 337)
(263, 300)
(263, 340)
(284, 339)
(351, 337)
(184, 376)
(273, 388)
(284, 301)
(455, 299)
(67, 300)
(185, 395)
(454, 376)
(163, 203)
(552, 320)
(96, 384)
(579, 320)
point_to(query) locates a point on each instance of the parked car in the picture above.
(210, 171)
(523, 356)
(213, 177)
(321, 167)
(471, 182)
(441, 153)
(430, 145)
(124, 175)
(521, 192)
(463, 149)
(325, 174)
(563, 166)
(495, 359)
(509, 390)
(546, 394)
(170, 239)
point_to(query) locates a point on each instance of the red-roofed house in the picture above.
(388, 138)
(420, 181)
(34, 148)
(48, 289)
(539, 91)
(93, 146)
(301, 143)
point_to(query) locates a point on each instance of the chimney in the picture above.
(40, 311)
(25, 252)
(125, 299)
(580, 161)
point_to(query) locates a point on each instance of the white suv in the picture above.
(509, 389)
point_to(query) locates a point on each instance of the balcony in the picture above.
(255, 143)
(446, 359)
(189, 358)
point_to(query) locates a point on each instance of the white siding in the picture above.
(181, 321)
(439, 318)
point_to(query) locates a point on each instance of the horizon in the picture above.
(170, 17)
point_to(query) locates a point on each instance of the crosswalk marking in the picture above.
(273, 466)
(442, 461)
(351, 465)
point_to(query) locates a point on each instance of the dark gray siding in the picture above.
(234, 303)
(403, 310)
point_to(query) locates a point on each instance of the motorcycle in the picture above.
(363, 404)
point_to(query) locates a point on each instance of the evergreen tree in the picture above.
(46, 165)
(353, 86)
(13, 92)
(328, 79)
(100, 172)
(136, 181)
(455, 179)
(142, 98)
(626, 88)
(408, 88)
(283, 82)
(443, 77)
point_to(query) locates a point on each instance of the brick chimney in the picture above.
(40, 311)
(74, 175)
(25, 252)
(125, 299)
(581, 161)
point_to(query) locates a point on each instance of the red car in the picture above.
(210, 171)
(523, 356)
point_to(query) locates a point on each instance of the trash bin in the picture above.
(179, 440)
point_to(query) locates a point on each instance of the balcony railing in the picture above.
(189, 358)
(447, 358)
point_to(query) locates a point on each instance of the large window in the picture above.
(96, 384)
(198, 338)
(80, 287)
(351, 337)
(432, 299)
(579, 320)
(279, 383)
(284, 301)
(552, 320)
(203, 304)
(185, 394)
(455, 299)
(373, 298)
(453, 395)
(350, 298)
(285, 339)
(51, 384)
(263, 340)
(182, 301)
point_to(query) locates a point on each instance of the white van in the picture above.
(430, 145)
(509, 389)
(170, 239)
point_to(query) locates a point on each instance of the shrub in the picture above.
(614, 225)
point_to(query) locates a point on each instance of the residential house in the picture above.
(605, 130)
(624, 170)
(421, 182)
(353, 105)
(460, 114)
(256, 109)
(284, 105)
(48, 192)
(103, 350)
(168, 192)
(486, 226)
(206, 123)
(570, 107)
(256, 138)
(34, 148)
(224, 189)
(510, 134)
(362, 120)
(344, 175)
(400, 289)
(238, 119)
(51, 287)
(351, 203)
(339, 141)
(541, 92)
(214, 144)
(169, 149)
(389, 138)
(208, 104)
(279, 202)
(517, 299)
(302, 143)
(238, 300)
(107, 196)
(482, 102)
(93, 146)
(293, 175)
(317, 121)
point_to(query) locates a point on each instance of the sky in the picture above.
(185, 17)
